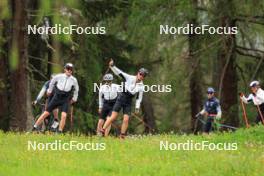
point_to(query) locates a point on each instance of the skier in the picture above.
(257, 97)
(107, 98)
(211, 110)
(63, 84)
(133, 87)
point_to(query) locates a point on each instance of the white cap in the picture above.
(254, 83)
(68, 65)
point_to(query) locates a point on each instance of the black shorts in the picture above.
(49, 98)
(107, 108)
(59, 99)
(258, 118)
(124, 101)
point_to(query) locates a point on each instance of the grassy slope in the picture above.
(134, 156)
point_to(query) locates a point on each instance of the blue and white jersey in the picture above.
(212, 106)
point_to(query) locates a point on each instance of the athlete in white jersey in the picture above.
(107, 97)
(133, 87)
(65, 84)
(257, 97)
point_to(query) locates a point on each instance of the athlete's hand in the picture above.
(34, 103)
(241, 94)
(137, 110)
(111, 63)
(198, 115)
(72, 101)
(48, 94)
(99, 111)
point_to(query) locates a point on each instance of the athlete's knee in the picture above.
(46, 113)
(126, 119)
(63, 115)
(55, 113)
(113, 115)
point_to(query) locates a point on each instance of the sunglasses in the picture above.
(142, 74)
(210, 93)
(69, 68)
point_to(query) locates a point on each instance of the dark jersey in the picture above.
(212, 106)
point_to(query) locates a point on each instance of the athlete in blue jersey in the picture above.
(211, 110)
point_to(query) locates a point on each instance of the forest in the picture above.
(129, 32)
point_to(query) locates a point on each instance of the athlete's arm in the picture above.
(219, 111)
(139, 99)
(117, 71)
(101, 102)
(248, 99)
(120, 73)
(76, 90)
(41, 93)
(52, 83)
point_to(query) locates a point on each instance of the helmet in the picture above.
(68, 66)
(108, 77)
(143, 71)
(210, 90)
(253, 84)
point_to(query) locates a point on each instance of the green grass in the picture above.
(134, 156)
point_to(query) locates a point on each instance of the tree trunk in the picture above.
(196, 75)
(21, 116)
(148, 116)
(4, 74)
(227, 70)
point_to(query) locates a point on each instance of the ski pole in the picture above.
(71, 118)
(142, 121)
(197, 118)
(244, 113)
(260, 113)
(227, 126)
